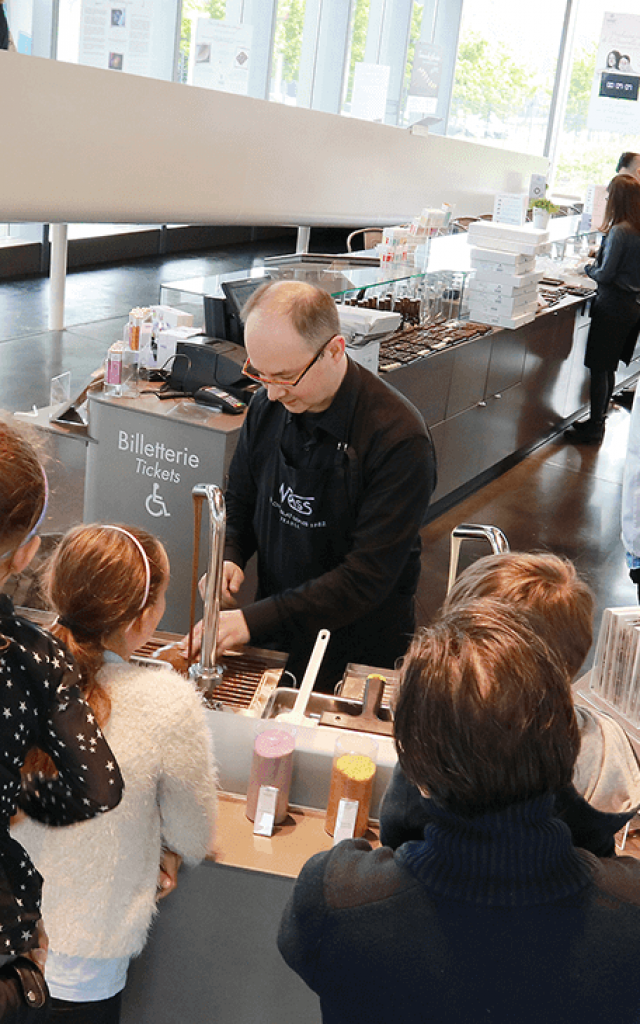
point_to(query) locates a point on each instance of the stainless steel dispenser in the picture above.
(206, 672)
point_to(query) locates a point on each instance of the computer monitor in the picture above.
(222, 315)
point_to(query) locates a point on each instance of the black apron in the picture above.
(303, 522)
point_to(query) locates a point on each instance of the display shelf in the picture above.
(337, 277)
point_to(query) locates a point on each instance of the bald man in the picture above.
(329, 484)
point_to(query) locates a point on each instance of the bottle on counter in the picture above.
(113, 370)
(136, 317)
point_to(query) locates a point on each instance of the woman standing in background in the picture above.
(615, 310)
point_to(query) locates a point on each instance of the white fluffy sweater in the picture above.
(100, 875)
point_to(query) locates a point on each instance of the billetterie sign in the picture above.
(156, 459)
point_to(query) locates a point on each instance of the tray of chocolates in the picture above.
(411, 343)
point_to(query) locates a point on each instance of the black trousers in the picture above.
(102, 1011)
(601, 388)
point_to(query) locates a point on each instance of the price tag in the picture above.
(265, 811)
(510, 208)
(345, 820)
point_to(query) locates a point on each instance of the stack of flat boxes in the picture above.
(503, 291)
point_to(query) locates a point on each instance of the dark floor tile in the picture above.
(28, 364)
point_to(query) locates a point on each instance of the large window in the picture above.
(287, 50)
(505, 73)
(586, 157)
(477, 69)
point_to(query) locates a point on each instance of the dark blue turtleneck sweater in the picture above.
(496, 918)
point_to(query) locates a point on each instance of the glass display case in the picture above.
(339, 276)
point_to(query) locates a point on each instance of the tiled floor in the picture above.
(561, 498)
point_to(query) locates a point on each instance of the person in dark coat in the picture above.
(615, 310)
(494, 914)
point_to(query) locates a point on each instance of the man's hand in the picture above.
(168, 873)
(232, 631)
(232, 578)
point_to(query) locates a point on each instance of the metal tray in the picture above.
(283, 698)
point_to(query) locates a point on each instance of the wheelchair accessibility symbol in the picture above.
(155, 504)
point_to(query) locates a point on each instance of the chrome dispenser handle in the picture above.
(473, 531)
(206, 671)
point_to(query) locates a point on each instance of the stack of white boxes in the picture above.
(503, 291)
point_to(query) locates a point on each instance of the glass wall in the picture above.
(287, 50)
(473, 68)
(584, 157)
(505, 72)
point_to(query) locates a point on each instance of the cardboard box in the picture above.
(505, 245)
(505, 284)
(501, 274)
(497, 320)
(521, 263)
(502, 307)
(366, 355)
(167, 341)
(507, 233)
(174, 317)
(510, 305)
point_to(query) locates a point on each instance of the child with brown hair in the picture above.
(40, 703)
(107, 585)
(605, 793)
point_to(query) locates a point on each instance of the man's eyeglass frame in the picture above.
(252, 374)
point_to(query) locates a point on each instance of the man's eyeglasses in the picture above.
(250, 371)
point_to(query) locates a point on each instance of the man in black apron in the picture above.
(329, 485)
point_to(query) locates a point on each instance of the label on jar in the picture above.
(346, 818)
(265, 811)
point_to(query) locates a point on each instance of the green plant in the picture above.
(543, 204)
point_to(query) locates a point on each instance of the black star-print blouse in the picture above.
(41, 705)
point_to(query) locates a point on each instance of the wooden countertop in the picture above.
(284, 853)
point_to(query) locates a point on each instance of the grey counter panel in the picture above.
(141, 471)
(502, 395)
(507, 362)
(212, 955)
(426, 383)
(470, 368)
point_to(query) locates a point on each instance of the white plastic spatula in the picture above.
(296, 715)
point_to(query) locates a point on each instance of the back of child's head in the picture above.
(23, 489)
(541, 583)
(98, 581)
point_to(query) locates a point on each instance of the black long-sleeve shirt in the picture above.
(618, 261)
(393, 475)
(41, 705)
